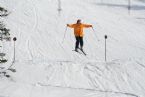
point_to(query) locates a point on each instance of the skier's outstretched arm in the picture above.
(87, 25)
(71, 25)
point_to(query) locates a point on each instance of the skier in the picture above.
(78, 32)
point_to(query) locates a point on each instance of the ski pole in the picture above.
(95, 34)
(64, 34)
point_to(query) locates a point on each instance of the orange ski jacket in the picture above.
(78, 28)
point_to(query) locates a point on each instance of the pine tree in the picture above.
(4, 35)
(4, 32)
(3, 12)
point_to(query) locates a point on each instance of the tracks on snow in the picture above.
(114, 92)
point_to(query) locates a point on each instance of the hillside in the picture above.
(45, 63)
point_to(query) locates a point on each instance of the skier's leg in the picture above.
(77, 43)
(81, 42)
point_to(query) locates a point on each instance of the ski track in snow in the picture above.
(127, 94)
(141, 64)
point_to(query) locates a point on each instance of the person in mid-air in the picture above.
(78, 32)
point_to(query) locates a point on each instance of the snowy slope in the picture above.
(46, 28)
(47, 66)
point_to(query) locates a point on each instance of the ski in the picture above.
(82, 51)
(77, 51)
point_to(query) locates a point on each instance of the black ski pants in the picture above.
(79, 40)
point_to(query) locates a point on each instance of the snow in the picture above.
(45, 63)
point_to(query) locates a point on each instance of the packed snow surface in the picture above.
(45, 63)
